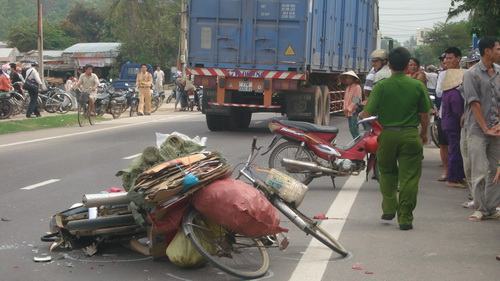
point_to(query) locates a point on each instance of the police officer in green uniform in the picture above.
(401, 104)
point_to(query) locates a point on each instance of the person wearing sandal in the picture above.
(452, 111)
(482, 121)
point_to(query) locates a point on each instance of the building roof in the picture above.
(46, 53)
(6, 52)
(101, 47)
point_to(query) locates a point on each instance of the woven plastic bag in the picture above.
(238, 207)
(182, 253)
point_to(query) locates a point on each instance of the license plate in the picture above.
(246, 86)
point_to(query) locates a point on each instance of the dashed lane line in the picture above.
(315, 259)
(40, 184)
(132, 156)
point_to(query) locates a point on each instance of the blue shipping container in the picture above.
(325, 36)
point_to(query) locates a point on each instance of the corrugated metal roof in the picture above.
(101, 47)
(5, 52)
(46, 53)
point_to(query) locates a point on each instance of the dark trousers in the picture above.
(33, 106)
(455, 161)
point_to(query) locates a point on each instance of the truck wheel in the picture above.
(241, 119)
(318, 108)
(326, 105)
(215, 122)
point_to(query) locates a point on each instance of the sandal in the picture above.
(443, 178)
(494, 216)
(476, 216)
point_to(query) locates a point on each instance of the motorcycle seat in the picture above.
(309, 127)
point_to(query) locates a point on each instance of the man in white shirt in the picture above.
(34, 78)
(159, 77)
(88, 83)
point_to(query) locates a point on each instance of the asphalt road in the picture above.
(74, 161)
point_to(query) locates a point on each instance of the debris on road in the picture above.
(42, 259)
(357, 266)
(4, 219)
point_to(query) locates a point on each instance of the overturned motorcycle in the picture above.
(310, 151)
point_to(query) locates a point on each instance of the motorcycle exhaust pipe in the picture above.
(100, 199)
(296, 166)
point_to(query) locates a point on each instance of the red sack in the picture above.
(238, 207)
(166, 221)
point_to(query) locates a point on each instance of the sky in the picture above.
(400, 19)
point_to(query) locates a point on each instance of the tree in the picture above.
(484, 15)
(442, 36)
(86, 24)
(147, 29)
(24, 36)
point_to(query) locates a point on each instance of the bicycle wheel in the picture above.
(435, 134)
(155, 104)
(82, 110)
(294, 151)
(310, 227)
(237, 255)
(64, 102)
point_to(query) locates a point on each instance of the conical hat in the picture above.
(350, 73)
(453, 79)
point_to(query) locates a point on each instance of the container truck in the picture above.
(276, 56)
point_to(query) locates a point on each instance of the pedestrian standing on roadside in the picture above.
(68, 86)
(89, 83)
(16, 78)
(5, 84)
(450, 60)
(143, 82)
(159, 78)
(401, 104)
(32, 84)
(380, 70)
(352, 100)
(482, 123)
(415, 72)
(452, 109)
(431, 77)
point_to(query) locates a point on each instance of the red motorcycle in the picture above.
(310, 151)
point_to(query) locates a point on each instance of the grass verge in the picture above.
(14, 126)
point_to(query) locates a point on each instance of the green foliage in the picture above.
(442, 36)
(484, 15)
(148, 30)
(24, 37)
(86, 23)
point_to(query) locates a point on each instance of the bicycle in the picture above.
(242, 256)
(84, 114)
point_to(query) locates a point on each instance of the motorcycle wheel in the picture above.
(116, 111)
(435, 133)
(6, 109)
(294, 151)
(133, 108)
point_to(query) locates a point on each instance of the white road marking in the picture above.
(95, 131)
(315, 260)
(36, 185)
(132, 156)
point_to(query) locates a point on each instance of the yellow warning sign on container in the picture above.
(289, 51)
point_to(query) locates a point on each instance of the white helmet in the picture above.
(379, 54)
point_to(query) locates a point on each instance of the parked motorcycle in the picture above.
(156, 100)
(110, 102)
(310, 151)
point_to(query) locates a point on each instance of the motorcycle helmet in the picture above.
(379, 54)
(371, 144)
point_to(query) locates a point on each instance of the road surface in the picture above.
(46, 171)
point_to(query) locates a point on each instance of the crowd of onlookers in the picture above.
(466, 101)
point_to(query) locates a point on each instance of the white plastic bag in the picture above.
(160, 139)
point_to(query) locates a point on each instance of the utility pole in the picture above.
(40, 39)
(183, 38)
